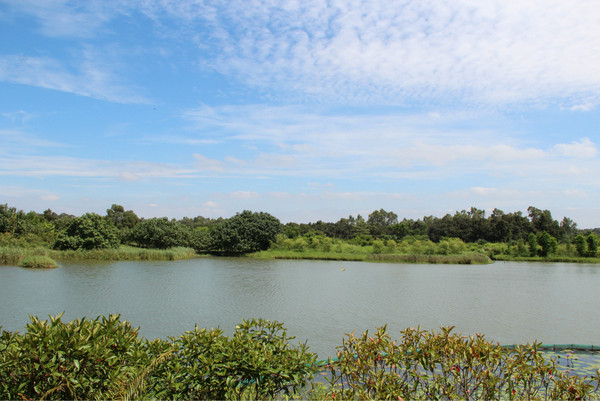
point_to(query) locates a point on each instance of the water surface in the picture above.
(319, 301)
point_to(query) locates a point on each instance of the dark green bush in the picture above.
(245, 232)
(89, 231)
(83, 359)
(256, 363)
(160, 233)
(104, 358)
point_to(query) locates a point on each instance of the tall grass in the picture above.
(12, 255)
(463, 259)
(308, 254)
(125, 253)
(38, 262)
(467, 258)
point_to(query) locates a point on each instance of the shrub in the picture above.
(245, 232)
(89, 231)
(162, 233)
(592, 244)
(256, 363)
(445, 365)
(378, 246)
(580, 245)
(83, 359)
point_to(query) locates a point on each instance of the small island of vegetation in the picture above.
(466, 237)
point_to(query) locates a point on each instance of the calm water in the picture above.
(317, 301)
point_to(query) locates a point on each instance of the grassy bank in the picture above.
(38, 262)
(551, 258)
(17, 255)
(125, 253)
(467, 258)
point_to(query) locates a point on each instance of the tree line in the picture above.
(248, 231)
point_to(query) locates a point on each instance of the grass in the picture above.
(309, 254)
(461, 259)
(38, 262)
(12, 255)
(467, 258)
(125, 253)
(551, 258)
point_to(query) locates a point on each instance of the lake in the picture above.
(318, 301)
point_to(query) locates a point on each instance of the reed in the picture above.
(466, 258)
(14, 255)
(462, 259)
(125, 253)
(38, 262)
(309, 255)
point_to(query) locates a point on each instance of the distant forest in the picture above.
(252, 231)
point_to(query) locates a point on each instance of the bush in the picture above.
(89, 231)
(161, 233)
(83, 359)
(378, 246)
(445, 365)
(256, 363)
(245, 232)
(105, 359)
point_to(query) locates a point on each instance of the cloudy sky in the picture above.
(304, 109)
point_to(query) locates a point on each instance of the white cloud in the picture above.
(90, 78)
(244, 194)
(128, 177)
(582, 149)
(267, 141)
(204, 163)
(496, 51)
(14, 140)
(48, 166)
(62, 18)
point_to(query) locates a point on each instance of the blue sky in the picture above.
(307, 109)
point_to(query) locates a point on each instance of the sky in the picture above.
(308, 110)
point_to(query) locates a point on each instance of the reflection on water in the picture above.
(318, 301)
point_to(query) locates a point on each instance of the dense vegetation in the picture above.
(382, 236)
(105, 359)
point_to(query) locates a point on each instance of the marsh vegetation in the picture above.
(465, 237)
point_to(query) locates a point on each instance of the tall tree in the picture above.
(244, 233)
(89, 231)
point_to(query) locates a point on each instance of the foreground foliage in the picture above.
(446, 365)
(105, 358)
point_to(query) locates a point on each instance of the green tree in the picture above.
(592, 244)
(89, 231)
(121, 218)
(244, 233)
(580, 245)
(532, 244)
(160, 233)
(547, 242)
(542, 220)
(380, 221)
(12, 221)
